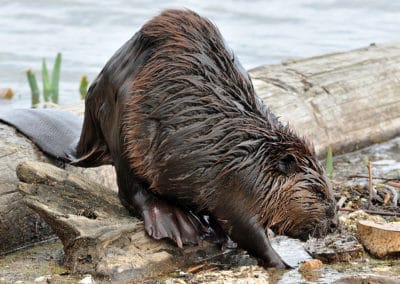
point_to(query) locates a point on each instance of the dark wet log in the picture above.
(345, 100)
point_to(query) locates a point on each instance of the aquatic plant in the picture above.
(50, 83)
(35, 99)
(83, 87)
(329, 163)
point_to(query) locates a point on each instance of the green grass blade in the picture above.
(34, 88)
(83, 87)
(46, 82)
(55, 78)
(329, 163)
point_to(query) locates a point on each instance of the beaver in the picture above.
(196, 152)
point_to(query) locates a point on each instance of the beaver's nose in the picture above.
(334, 224)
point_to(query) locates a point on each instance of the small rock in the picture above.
(87, 280)
(334, 248)
(6, 94)
(44, 278)
(379, 239)
(311, 265)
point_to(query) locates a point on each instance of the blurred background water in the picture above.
(88, 32)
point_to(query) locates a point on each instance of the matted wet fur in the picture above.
(196, 131)
(194, 148)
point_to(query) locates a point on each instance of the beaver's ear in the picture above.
(287, 164)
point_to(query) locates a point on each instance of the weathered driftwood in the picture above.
(20, 226)
(98, 234)
(345, 100)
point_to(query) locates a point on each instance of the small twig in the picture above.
(382, 213)
(29, 245)
(195, 268)
(8, 154)
(214, 256)
(388, 196)
(394, 193)
(394, 184)
(211, 269)
(370, 184)
(381, 178)
(341, 201)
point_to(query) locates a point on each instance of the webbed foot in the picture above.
(164, 220)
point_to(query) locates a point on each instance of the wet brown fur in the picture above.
(194, 130)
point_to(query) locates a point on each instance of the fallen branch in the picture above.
(372, 212)
(394, 184)
(341, 201)
(370, 186)
(381, 178)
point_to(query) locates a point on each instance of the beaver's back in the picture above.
(190, 106)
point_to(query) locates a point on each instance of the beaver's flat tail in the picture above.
(55, 132)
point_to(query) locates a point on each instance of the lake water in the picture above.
(260, 32)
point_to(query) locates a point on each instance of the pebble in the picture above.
(43, 278)
(87, 280)
(310, 265)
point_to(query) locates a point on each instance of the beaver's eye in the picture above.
(287, 164)
(320, 195)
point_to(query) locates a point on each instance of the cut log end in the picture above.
(380, 240)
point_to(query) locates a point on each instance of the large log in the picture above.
(345, 100)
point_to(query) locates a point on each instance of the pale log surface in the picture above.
(18, 224)
(345, 100)
(380, 240)
(98, 234)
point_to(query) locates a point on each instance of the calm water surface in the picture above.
(260, 32)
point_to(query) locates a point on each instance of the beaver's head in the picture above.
(297, 196)
(274, 176)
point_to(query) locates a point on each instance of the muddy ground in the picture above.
(43, 263)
